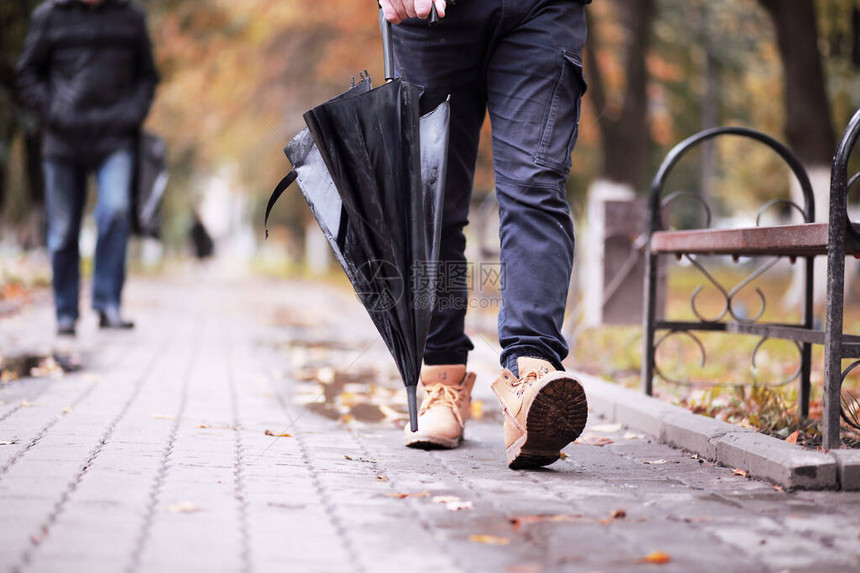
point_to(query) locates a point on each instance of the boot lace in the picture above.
(520, 384)
(442, 395)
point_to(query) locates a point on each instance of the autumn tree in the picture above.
(623, 116)
(14, 121)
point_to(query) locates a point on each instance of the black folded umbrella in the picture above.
(149, 184)
(373, 172)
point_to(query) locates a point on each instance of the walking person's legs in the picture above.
(65, 194)
(113, 222)
(534, 86)
(448, 61)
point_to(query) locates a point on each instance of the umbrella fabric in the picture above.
(373, 173)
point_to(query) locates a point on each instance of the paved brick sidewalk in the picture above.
(155, 457)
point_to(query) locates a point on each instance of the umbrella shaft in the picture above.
(387, 51)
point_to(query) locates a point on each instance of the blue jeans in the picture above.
(522, 61)
(66, 193)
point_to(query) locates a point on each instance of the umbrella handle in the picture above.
(434, 15)
(387, 50)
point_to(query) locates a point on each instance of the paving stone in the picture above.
(128, 480)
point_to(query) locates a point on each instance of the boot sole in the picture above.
(556, 417)
(425, 442)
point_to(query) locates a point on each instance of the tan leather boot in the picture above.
(445, 408)
(544, 411)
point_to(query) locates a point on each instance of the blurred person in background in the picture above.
(87, 68)
(521, 60)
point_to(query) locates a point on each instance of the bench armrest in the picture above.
(839, 182)
(675, 154)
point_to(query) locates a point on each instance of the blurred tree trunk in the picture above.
(14, 23)
(808, 124)
(855, 37)
(625, 132)
(626, 146)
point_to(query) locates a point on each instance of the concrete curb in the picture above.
(765, 457)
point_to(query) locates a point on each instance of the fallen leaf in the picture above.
(740, 472)
(606, 428)
(359, 459)
(405, 495)
(657, 557)
(382, 478)
(590, 439)
(162, 417)
(489, 539)
(184, 507)
(778, 488)
(525, 568)
(452, 503)
(282, 435)
(656, 462)
(325, 375)
(476, 410)
(563, 456)
(616, 514)
(522, 520)
(792, 437)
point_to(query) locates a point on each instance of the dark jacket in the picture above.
(89, 72)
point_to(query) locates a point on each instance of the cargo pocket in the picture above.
(561, 119)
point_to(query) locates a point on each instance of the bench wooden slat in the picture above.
(788, 240)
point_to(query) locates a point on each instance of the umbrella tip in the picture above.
(412, 402)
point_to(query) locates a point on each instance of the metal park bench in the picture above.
(804, 241)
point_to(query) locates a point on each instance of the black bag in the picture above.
(150, 182)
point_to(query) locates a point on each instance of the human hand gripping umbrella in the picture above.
(373, 172)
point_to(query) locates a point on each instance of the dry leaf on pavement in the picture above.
(452, 503)
(489, 539)
(657, 557)
(606, 428)
(405, 495)
(520, 521)
(616, 514)
(792, 437)
(592, 440)
(184, 507)
(740, 472)
(281, 435)
(476, 410)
